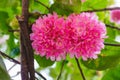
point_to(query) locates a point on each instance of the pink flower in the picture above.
(48, 37)
(115, 16)
(85, 35)
(83, 1)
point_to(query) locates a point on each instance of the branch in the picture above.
(80, 69)
(36, 78)
(40, 75)
(27, 56)
(17, 62)
(61, 70)
(104, 9)
(13, 30)
(16, 74)
(110, 26)
(111, 44)
(42, 4)
(11, 67)
(36, 14)
(9, 58)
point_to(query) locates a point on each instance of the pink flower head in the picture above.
(115, 16)
(48, 37)
(85, 35)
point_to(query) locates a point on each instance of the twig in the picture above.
(80, 69)
(104, 9)
(36, 14)
(40, 75)
(17, 62)
(16, 74)
(114, 27)
(61, 70)
(14, 30)
(111, 44)
(42, 4)
(36, 78)
(9, 58)
(11, 67)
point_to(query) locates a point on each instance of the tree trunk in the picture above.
(27, 56)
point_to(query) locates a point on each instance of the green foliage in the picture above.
(14, 52)
(35, 5)
(94, 4)
(8, 10)
(14, 24)
(71, 71)
(11, 7)
(108, 58)
(10, 43)
(111, 2)
(3, 22)
(111, 33)
(65, 7)
(8, 3)
(43, 62)
(112, 74)
(3, 72)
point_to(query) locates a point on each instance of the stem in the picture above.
(104, 9)
(17, 62)
(117, 28)
(80, 69)
(111, 44)
(61, 70)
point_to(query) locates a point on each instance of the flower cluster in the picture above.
(115, 16)
(79, 35)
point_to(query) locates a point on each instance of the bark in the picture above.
(27, 56)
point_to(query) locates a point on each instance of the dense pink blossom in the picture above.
(79, 35)
(85, 35)
(48, 36)
(115, 16)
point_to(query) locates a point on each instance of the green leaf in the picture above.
(14, 24)
(112, 74)
(10, 43)
(10, 6)
(111, 2)
(15, 52)
(36, 6)
(101, 15)
(94, 4)
(3, 22)
(3, 72)
(108, 58)
(111, 33)
(8, 3)
(65, 7)
(43, 62)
